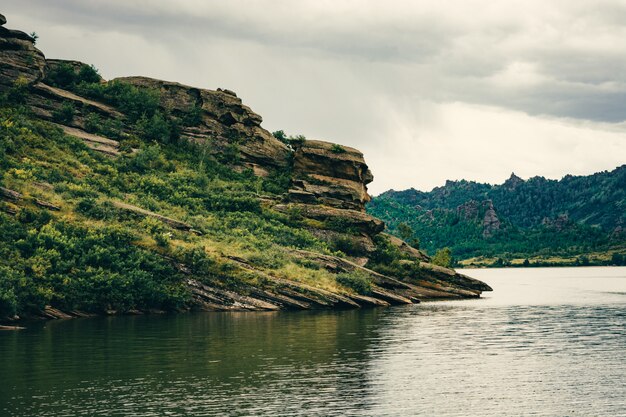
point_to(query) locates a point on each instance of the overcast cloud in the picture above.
(428, 90)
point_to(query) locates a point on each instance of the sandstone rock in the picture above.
(468, 210)
(453, 277)
(54, 313)
(349, 219)
(19, 59)
(10, 195)
(365, 300)
(390, 297)
(224, 121)
(59, 96)
(95, 142)
(408, 250)
(336, 175)
(176, 224)
(219, 299)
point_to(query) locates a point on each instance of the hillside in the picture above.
(575, 220)
(136, 194)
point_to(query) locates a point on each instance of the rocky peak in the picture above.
(3, 19)
(513, 181)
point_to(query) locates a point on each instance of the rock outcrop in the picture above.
(224, 121)
(483, 212)
(330, 174)
(327, 192)
(20, 62)
(491, 222)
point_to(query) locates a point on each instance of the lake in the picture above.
(546, 342)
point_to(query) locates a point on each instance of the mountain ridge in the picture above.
(544, 209)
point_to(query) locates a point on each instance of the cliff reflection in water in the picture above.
(190, 362)
(549, 342)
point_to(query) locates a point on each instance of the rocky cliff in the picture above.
(325, 195)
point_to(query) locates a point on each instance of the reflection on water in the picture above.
(547, 342)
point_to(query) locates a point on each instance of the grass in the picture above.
(39, 161)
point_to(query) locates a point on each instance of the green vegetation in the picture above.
(443, 257)
(141, 106)
(337, 148)
(93, 256)
(359, 282)
(289, 140)
(545, 221)
(68, 77)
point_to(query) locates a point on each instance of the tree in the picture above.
(443, 257)
(405, 231)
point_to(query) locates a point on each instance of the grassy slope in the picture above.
(92, 256)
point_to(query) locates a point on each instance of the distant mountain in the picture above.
(573, 217)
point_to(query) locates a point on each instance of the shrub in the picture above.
(280, 135)
(65, 114)
(337, 148)
(154, 128)
(443, 257)
(192, 117)
(360, 282)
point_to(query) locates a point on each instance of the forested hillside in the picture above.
(578, 219)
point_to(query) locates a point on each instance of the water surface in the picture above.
(547, 342)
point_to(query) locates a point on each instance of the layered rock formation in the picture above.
(330, 174)
(328, 187)
(224, 121)
(20, 61)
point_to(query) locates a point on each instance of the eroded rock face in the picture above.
(224, 120)
(491, 222)
(331, 174)
(19, 59)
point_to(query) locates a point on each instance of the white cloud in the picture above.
(486, 144)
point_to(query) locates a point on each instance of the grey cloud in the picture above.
(358, 72)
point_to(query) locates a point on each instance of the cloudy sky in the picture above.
(428, 90)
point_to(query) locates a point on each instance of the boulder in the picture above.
(19, 59)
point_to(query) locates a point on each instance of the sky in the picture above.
(428, 90)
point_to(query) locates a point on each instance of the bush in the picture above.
(358, 281)
(337, 148)
(67, 77)
(65, 114)
(443, 257)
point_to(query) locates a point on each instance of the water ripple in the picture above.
(561, 355)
